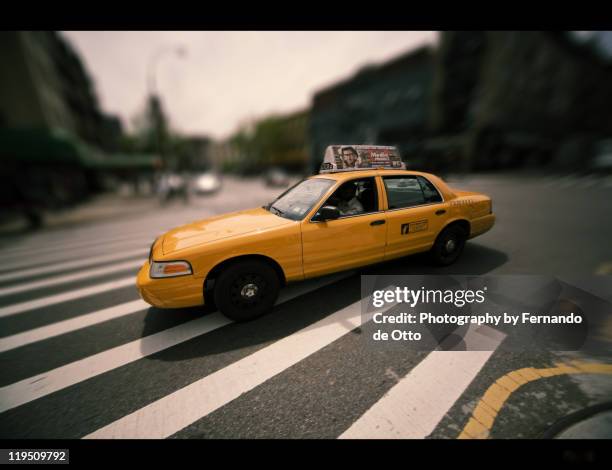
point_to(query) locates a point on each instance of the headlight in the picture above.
(169, 269)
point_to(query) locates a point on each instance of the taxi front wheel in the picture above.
(246, 290)
(448, 246)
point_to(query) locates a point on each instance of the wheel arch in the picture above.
(463, 223)
(214, 273)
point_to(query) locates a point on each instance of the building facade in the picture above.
(514, 98)
(45, 86)
(56, 145)
(382, 104)
(481, 100)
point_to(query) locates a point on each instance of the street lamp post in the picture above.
(179, 51)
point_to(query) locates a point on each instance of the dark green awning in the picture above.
(41, 146)
(56, 146)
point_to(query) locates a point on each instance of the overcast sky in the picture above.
(227, 77)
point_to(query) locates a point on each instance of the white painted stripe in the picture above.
(31, 261)
(14, 256)
(173, 412)
(18, 259)
(416, 404)
(86, 274)
(569, 182)
(102, 234)
(590, 181)
(66, 241)
(99, 236)
(66, 296)
(43, 384)
(562, 180)
(72, 324)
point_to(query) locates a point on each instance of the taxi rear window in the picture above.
(410, 191)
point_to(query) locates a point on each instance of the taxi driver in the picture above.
(349, 157)
(347, 203)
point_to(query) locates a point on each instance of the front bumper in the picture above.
(171, 292)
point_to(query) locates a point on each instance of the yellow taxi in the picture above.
(362, 208)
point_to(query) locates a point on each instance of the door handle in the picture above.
(377, 222)
(441, 211)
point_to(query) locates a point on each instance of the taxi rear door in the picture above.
(416, 212)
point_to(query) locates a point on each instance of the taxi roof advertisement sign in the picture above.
(355, 157)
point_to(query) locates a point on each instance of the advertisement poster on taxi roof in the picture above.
(350, 157)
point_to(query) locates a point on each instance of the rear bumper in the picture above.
(177, 292)
(481, 225)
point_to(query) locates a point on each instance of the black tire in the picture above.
(448, 246)
(246, 290)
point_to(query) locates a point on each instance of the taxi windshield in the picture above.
(297, 201)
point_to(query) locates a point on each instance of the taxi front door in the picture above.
(344, 243)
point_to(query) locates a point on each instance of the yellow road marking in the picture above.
(483, 417)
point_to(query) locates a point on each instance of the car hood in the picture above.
(219, 227)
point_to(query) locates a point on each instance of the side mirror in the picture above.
(328, 213)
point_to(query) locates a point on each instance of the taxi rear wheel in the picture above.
(448, 246)
(246, 290)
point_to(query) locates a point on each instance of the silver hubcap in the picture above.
(249, 290)
(450, 246)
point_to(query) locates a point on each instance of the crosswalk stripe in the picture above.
(48, 382)
(36, 246)
(21, 307)
(579, 182)
(418, 402)
(72, 254)
(82, 274)
(72, 324)
(590, 181)
(41, 246)
(14, 259)
(43, 384)
(96, 234)
(575, 180)
(177, 410)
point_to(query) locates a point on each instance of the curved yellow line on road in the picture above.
(482, 419)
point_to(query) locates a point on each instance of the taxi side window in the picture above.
(403, 191)
(410, 191)
(358, 196)
(429, 190)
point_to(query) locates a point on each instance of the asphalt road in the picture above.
(82, 356)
